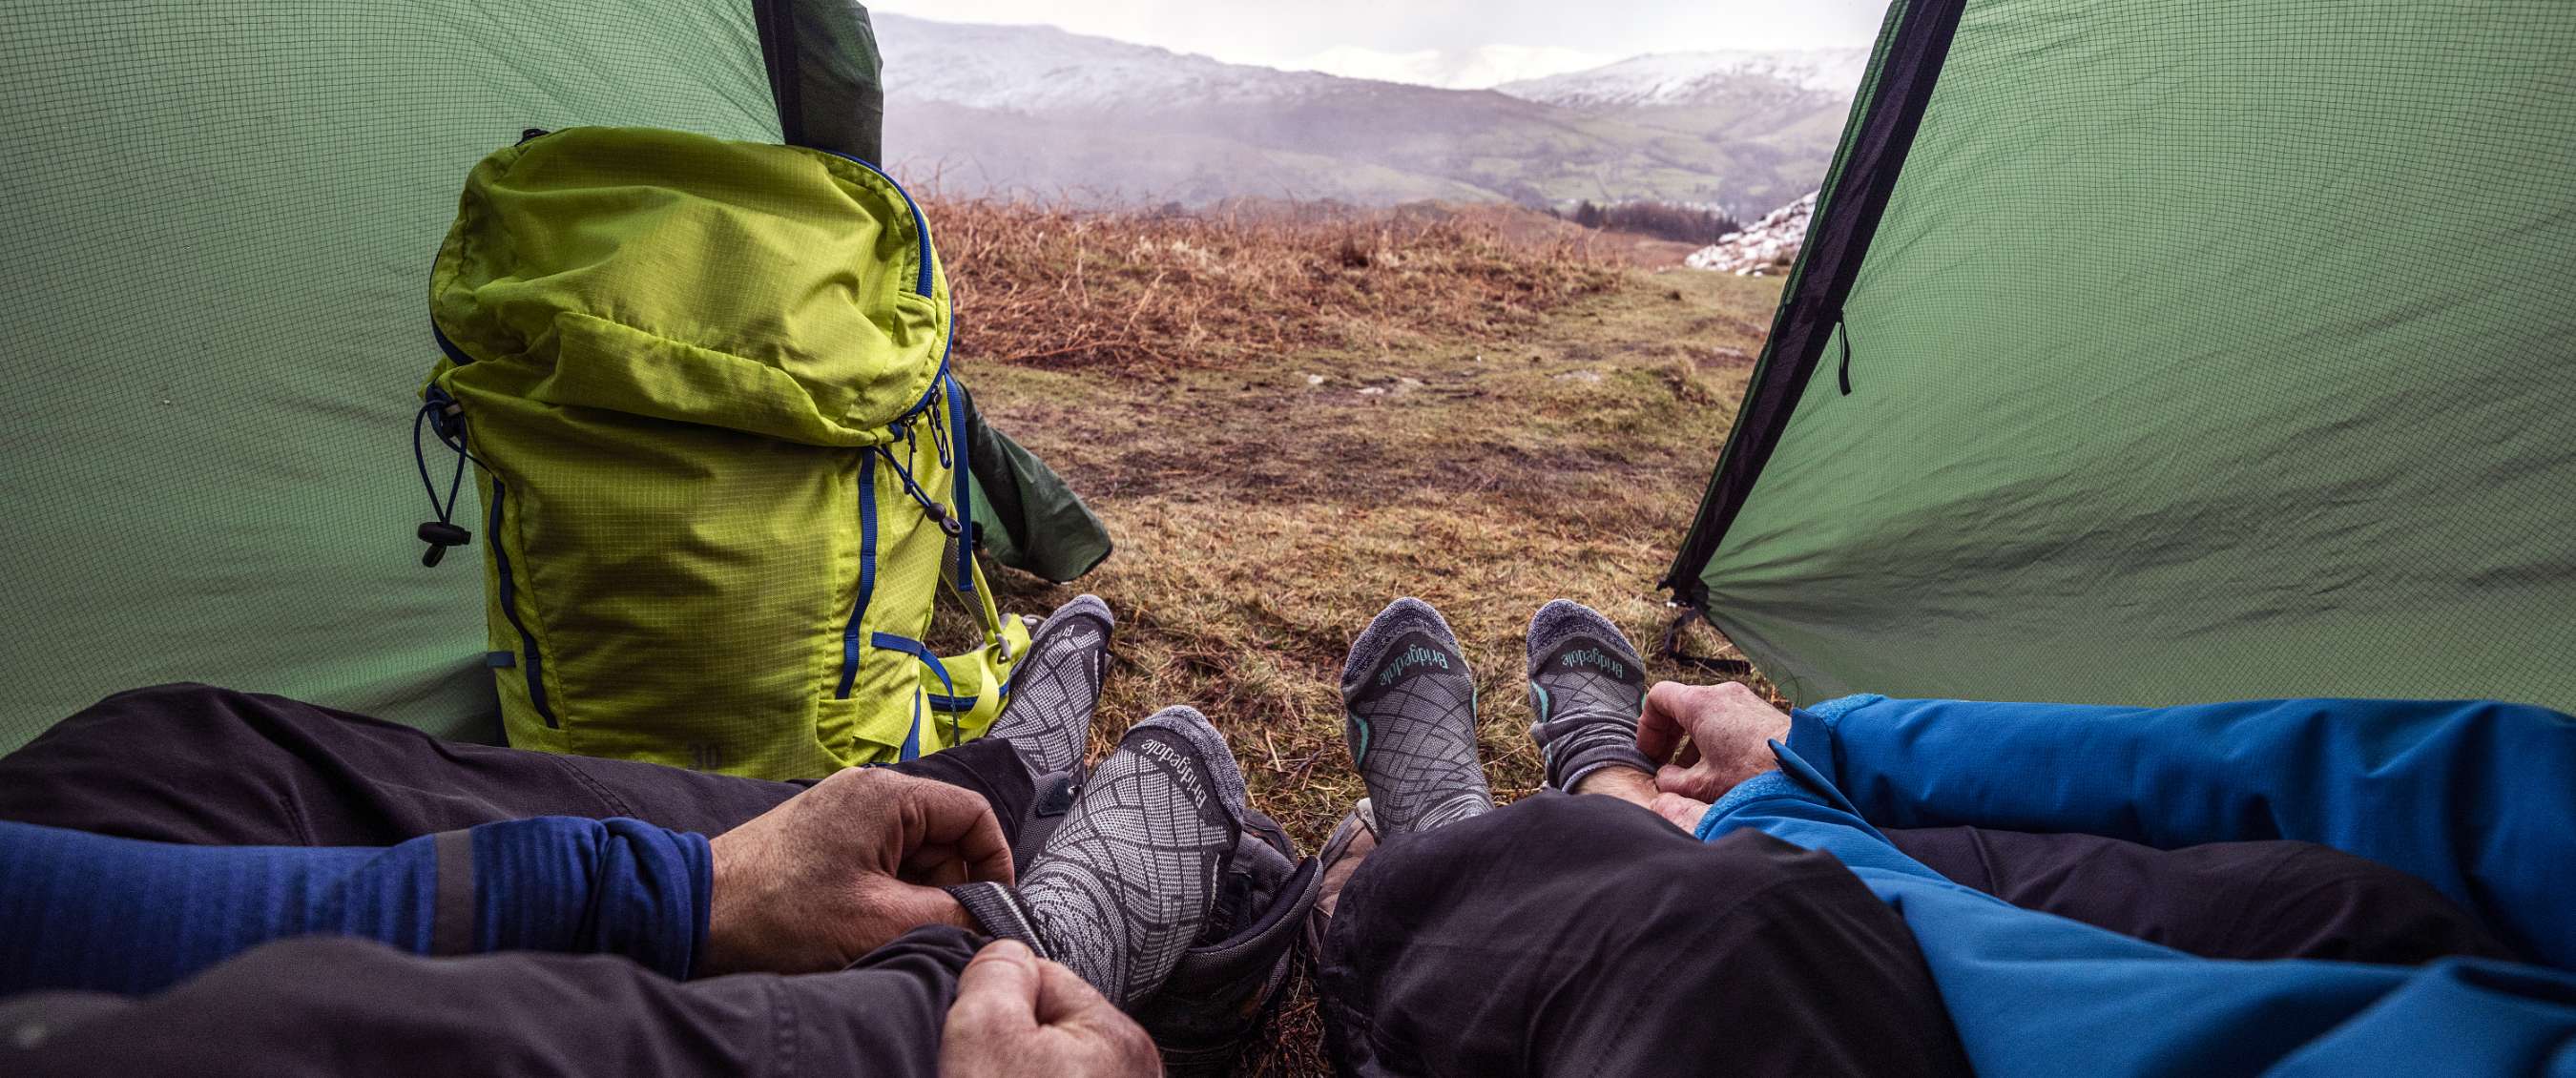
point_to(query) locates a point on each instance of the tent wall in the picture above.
(220, 224)
(2198, 351)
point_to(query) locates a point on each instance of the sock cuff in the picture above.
(1583, 752)
(1000, 913)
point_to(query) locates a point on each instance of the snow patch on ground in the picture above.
(1766, 246)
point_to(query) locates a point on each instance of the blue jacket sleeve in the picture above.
(2031, 994)
(2475, 798)
(82, 911)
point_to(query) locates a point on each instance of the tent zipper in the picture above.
(1842, 333)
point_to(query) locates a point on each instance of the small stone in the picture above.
(1373, 391)
(1586, 377)
(1314, 379)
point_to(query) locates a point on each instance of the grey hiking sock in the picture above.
(1056, 685)
(1586, 688)
(1411, 721)
(1124, 887)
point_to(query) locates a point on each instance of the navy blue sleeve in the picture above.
(2476, 798)
(622, 887)
(81, 911)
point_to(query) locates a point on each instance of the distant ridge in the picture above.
(1040, 113)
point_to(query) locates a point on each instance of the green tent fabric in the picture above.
(2145, 352)
(222, 215)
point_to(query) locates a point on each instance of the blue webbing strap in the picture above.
(963, 492)
(920, 651)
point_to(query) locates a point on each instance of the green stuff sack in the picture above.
(704, 388)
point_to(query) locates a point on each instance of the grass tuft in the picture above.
(1071, 288)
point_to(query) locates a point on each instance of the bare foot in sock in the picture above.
(1411, 707)
(1056, 685)
(1586, 688)
(1124, 887)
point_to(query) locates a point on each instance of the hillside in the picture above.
(1038, 113)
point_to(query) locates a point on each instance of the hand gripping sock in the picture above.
(1125, 886)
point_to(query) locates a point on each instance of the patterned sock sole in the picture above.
(1124, 887)
(1056, 686)
(1586, 688)
(1411, 721)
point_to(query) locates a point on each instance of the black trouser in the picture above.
(2251, 900)
(1585, 936)
(192, 764)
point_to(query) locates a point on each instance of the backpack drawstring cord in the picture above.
(937, 512)
(939, 436)
(440, 413)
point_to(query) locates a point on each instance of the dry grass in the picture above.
(1541, 425)
(1073, 288)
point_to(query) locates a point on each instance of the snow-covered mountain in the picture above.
(1037, 111)
(1036, 69)
(1481, 68)
(1691, 78)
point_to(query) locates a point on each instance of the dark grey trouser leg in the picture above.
(333, 1006)
(1583, 936)
(207, 766)
(2252, 900)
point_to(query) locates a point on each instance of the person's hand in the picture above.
(1723, 731)
(1638, 788)
(1020, 1014)
(841, 868)
(1682, 812)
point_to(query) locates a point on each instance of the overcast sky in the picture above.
(1340, 33)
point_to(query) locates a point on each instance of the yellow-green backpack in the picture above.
(705, 387)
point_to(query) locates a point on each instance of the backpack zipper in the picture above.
(920, 224)
(926, 256)
(534, 664)
(850, 641)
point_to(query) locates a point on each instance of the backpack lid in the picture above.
(774, 290)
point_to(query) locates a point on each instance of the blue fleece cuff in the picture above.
(1796, 778)
(1813, 731)
(618, 886)
(1766, 785)
(1833, 710)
